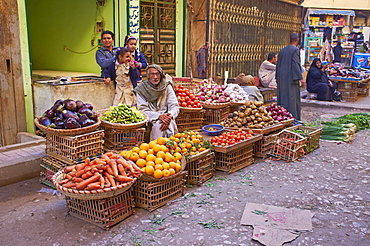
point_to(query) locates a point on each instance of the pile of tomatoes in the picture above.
(186, 98)
(230, 138)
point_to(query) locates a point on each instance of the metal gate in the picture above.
(244, 32)
(157, 33)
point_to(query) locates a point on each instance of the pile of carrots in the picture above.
(109, 170)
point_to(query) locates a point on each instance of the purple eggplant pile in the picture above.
(69, 114)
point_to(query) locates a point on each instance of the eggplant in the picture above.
(70, 104)
(57, 108)
(59, 125)
(87, 122)
(59, 102)
(83, 118)
(71, 123)
(50, 113)
(79, 104)
(86, 111)
(45, 121)
(88, 105)
(69, 114)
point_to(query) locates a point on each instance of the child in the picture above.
(125, 75)
(247, 83)
(131, 43)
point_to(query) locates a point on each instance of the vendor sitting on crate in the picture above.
(246, 82)
(157, 99)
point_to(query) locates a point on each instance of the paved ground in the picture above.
(332, 182)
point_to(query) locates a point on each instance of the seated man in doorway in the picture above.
(157, 99)
(267, 70)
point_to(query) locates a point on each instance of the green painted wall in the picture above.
(56, 24)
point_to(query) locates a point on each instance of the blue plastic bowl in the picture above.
(219, 130)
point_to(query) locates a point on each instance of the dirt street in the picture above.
(333, 182)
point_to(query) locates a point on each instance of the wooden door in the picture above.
(157, 33)
(12, 108)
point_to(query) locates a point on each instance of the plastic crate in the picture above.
(120, 139)
(201, 169)
(71, 149)
(215, 116)
(103, 213)
(234, 160)
(262, 147)
(187, 120)
(312, 134)
(288, 145)
(152, 195)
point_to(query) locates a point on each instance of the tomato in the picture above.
(183, 104)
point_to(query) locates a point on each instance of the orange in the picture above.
(134, 156)
(188, 145)
(161, 154)
(178, 149)
(177, 156)
(143, 154)
(164, 148)
(156, 148)
(135, 149)
(161, 140)
(158, 167)
(172, 165)
(128, 153)
(150, 157)
(149, 170)
(178, 135)
(178, 167)
(141, 162)
(166, 173)
(165, 165)
(150, 163)
(169, 157)
(150, 151)
(158, 160)
(144, 146)
(123, 153)
(158, 174)
(143, 168)
(152, 143)
(172, 171)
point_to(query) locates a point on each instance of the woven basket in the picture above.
(89, 195)
(214, 105)
(108, 124)
(67, 132)
(184, 109)
(146, 177)
(236, 104)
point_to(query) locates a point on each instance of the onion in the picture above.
(202, 98)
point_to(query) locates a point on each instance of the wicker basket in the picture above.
(50, 166)
(67, 132)
(107, 124)
(215, 116)
(312, 134)
(190, 83)
(104, 213)
(121, 139)
(190, 120)
(214, 105)
(152, 195)
(235, 160)
(201, 169)
(237, 146)
(288, 145)
(262, 147)
(185, 109)
(92, 194)
(148, 178)
(287, 123)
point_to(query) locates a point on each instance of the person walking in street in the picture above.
(157, 99)
(267, 71)
(202, 56)
(289, 76)
(107, 54)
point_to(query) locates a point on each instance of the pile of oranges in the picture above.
(190, 142)
(158, 158)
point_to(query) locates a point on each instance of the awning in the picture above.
(330, 12)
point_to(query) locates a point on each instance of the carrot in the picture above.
(87, 175)
(109, 154)
(93, 186)
(80, 172)
(107, 183)
(69, 185)
(87, 161)
(109, 170)
(110, 179)
(69, 177)
(126, 164)
(101, 166)
(102, 182)
(113, 164)
(136, 167)
(123, 178)
(93, 162)
(64, 181)
(77, 180)
(69, 168)
(83, 184)
(121, 170)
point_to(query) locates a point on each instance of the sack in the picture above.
(337, 96)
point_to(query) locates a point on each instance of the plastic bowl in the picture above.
(213, 133)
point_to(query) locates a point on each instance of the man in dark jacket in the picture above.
(289, 77)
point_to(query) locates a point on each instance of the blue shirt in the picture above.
(105, 57)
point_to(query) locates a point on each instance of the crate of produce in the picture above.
(189, 83)
(104, 213)
(71, 149)
(349, 95)
(152, 195)
(288, 145)
(120, 139)
(234, 160)
(263, 146)
(190, 119)
(312, 134)
(214, 116)
(363, 89)
(50, 166)
(201, 167)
